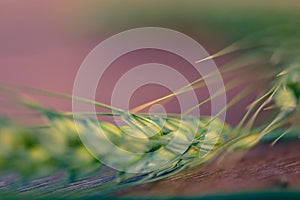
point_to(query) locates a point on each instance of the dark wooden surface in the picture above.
(262, 168)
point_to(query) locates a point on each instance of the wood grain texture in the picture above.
(262, 168)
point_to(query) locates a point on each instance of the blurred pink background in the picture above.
(42, 44)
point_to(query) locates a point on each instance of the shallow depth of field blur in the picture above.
(43, 43)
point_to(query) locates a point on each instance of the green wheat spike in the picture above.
(39, 151)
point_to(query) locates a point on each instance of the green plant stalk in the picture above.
(40, 150)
